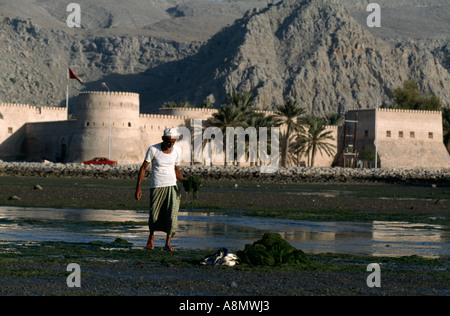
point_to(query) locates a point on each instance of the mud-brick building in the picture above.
(15, 121)
(402, 138)
(110, 124)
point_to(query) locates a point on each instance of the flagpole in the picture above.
(67, 94)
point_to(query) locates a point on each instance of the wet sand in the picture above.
(119, 194)
(158, 273)
(161, 273)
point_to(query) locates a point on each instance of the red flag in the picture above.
(72, 75)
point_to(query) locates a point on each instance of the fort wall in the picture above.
(198, 113)
(404, 138)
(13, 118)
(49, 140)
(107, 125)
(401, 125)
(110, 124)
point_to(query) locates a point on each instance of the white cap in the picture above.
(171, 132)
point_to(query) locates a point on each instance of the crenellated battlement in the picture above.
(267, 112)
(33, 107)
(409, 111)
(398, 111)
(188, 112)
(110, 93)
(53, 108)
(16, 105)
(204, 110)
(163, 117)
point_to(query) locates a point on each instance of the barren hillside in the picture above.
(312, 51)
(319, 52)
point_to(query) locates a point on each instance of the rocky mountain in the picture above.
(180, 20)
(34, 61)
(117, 38)
(319, 52)
(312, 51)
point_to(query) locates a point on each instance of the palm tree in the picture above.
(237, 112)
(257, 120)
(298, 147)
(334, 119)
(315, 138)
(242, 100)
(446, 126)
(228, 115)
(181, 104)
(288, 114)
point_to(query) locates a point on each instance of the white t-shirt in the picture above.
(163, 165)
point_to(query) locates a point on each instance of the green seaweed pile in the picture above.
(271, 250)
(192, 183)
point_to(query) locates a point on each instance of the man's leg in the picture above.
(172, 207)
(151, 238)
(167, 246)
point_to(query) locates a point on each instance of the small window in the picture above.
(430, 135)
(87, 124)
(366, 133)
(10, 130)
(129, 124)
(412, 135)
(400, 134)
(388, 133)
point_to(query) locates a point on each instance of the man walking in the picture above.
(165, 159)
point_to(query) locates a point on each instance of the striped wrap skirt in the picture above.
(164, 206)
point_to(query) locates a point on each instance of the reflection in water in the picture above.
(199, 230)
(406, 238)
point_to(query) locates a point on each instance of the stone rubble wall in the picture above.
(231, 173)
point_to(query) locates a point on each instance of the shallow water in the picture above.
(214, 230)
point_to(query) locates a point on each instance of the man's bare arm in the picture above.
(178, 174)
(138, 193)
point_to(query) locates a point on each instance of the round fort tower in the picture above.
(107, 126)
